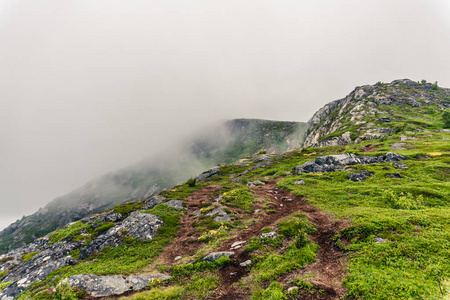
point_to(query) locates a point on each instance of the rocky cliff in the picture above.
(370, 112)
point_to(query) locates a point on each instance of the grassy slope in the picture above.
(410, 213)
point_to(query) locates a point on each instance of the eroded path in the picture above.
(326, 273)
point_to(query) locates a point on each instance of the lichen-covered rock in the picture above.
(400, 166)
(361, 176)
(136, 225)
(21, 280)
(175, 204)
(216, 255)
(105, 286)
(152, 202)
(269, 235)
(333, 163)
(210, 173)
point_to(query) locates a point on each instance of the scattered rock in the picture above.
(216, 255)
(225, 218)
(400, 166)
(300, 182)
(175, 204)
(292, 289)
(269, 235)
(386, 130)
(152, 202)
(395, 175)
(210, 173)
(361, 176)
(245, 263)
(406, 138)
(379, 240)
(217, 211)
(386, 168)
(177, 258)
(237, 245)
(255, 183)
(398, 146)
(384, 119)
(197, 212)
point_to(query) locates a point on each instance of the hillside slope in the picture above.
(221, 144)
(365, 219)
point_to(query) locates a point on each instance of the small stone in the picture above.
(379, 240)
(292, 289)
(257, 211)
(216, 255)
(396, 175)
(386, 168)
(300, 182)
(177, 258)
(197, 212)
(400, 166)
(225, 218)
(237, 245)
(269, 235)
(245, 263)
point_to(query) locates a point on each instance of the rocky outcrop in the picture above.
(360, 107)
(21, 278)
(105, 286)
(333, 163)
(137, 225)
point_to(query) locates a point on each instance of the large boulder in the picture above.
(105, 286)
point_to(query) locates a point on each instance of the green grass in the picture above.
(411, 213)
(66, 232)
(29, 256)
(240, 198)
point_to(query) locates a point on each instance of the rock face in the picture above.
(105, 286)
(137, 225)
(332, 123)
(333, 163)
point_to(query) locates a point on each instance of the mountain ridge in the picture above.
(370, 200)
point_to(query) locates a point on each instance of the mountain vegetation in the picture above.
(361, 211)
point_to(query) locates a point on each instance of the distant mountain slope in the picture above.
(221, 144)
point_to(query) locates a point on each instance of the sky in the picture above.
(88, 87)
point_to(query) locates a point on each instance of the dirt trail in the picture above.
(328, 269)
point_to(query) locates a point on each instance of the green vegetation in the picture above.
(4, 285)
(240, 198)
(66, 232)
(28, 256)
(446, 119)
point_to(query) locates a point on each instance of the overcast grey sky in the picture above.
(90, 86)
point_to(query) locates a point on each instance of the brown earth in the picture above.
(326, 273)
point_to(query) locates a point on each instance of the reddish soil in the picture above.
(326, 273)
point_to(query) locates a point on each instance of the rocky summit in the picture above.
(360, 211)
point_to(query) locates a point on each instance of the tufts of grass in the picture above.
(66, 232)
(240, 198)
